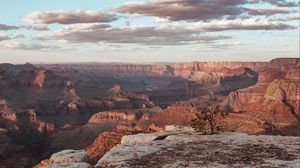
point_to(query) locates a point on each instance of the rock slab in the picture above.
(192, 149)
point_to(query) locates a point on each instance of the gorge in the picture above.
(46, 108)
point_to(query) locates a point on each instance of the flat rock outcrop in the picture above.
(192, 149)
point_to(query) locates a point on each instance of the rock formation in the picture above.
(66, 158)
(178, 114)
(274, 100)
(43, 108)
(170, 149)
(38, 78)
(111, 116)
(102, 144)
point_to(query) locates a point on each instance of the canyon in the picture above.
(47, 108)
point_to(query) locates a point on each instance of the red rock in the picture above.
(274, 99)
(111, 116)
(38, 78)
(70, 94)
(43, 163)
(177, 114)
(102, 144)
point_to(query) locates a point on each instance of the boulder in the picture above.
(69, 156)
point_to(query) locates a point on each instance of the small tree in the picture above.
(207, 118)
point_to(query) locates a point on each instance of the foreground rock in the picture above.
(190, 149)
(70, 165)
(70, 156)
(67, 159)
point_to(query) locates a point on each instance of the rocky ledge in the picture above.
(182, 147)
(186, 148)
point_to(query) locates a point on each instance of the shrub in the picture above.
(207, 118)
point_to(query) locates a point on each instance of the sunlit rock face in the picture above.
(102, 144)
(286, 91)
(274, 100)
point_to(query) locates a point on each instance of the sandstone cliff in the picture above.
(191, 71)
(274, 101)
(264, 98)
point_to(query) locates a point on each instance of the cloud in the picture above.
(240, 24)
(279, 3)
(21, 46)
(200, 10)
(166, 35)
(267, 12)
(173, 34)
(224, 45)
(176, 10)
(68, 17)
(36, 28)
(10, 36)
(8, 27)
(287, 18)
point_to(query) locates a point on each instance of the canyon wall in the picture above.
(271, 105)
(46, 107)
(184, 70)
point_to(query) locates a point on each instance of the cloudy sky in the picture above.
(148, 30)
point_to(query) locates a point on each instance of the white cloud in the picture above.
(68, 17)
(149, 35)
(31, 46)
(240, 24)
(10, 36)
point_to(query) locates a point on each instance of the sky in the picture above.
(141, 31)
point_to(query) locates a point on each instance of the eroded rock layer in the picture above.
(272, 105)
(43, 108)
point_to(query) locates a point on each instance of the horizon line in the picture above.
(125, 62)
